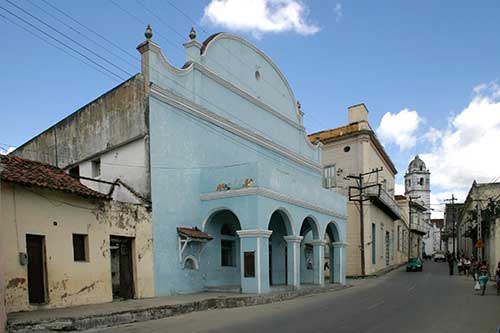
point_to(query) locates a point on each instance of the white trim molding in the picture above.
(318, 242)
(199, 111)
(339, 244)
(294, 239)
(262, 191)
(254, 233)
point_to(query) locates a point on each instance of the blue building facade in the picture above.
(236, 186)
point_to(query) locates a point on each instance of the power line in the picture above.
(92, 30)
(60, 42)
(57, 47)
(81, 34)
(68, 37)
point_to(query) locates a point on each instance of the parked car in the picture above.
(439, 257)
(414, 265)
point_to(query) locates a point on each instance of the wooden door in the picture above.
(36, 268)
(126, 270)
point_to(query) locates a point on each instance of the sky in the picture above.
(428, 71)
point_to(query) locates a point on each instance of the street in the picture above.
(428, 301)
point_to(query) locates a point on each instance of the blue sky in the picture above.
(439, 60)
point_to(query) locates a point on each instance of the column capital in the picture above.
(316, 242)
(339, 244)
(294, 239)
(254, 233)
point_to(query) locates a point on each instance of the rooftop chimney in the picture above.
(357, 113)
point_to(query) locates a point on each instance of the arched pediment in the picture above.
(244, 65)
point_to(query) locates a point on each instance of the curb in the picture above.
(157, 312)
(378, 273)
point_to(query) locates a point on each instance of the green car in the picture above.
(414, 265)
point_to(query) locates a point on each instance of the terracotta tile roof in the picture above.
(334, 132)
(193, 233)
(31, 173)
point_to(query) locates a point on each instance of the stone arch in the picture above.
(310, 223)
(281, 226)
(191, 263)
(309, 269)
(333, 253)
(287, 217)
(221, 256)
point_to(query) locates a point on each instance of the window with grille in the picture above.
(329, 180)
(227, 252)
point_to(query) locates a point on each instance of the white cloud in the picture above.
(399, 189)
(400, 128)
(260, 16)
(467, 149)
(338, 12)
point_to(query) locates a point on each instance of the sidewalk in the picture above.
(94, 316)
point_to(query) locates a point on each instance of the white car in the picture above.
(439, 257)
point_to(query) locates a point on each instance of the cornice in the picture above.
(254, 233)
(271, 195)
(224, 123)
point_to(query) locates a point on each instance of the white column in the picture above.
(293, 260)
(340, 262)
(319, 261)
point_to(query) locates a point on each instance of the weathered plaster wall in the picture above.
(57, 216)
(110, 121)
(128, 163)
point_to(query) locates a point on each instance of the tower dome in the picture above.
(416, 165)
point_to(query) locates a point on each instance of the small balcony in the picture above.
(418, 228)
(384, 201)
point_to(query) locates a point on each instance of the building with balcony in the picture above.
(352, 150)
(478, 223)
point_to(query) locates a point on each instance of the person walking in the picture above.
(467, 264)
(484, 276)
(451, 262)
(460, 265)
(474, 268)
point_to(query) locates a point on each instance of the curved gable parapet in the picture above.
(243, 64)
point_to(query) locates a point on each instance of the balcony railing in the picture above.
(385, 201)
(418, 228)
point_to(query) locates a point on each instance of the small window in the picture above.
(96, 167)
(421, 181)
(329, 179)
(80, 247)
(347, 149)
(74, 171)
(190, 263)
(226, 230)
(257, 75)
(227, 252)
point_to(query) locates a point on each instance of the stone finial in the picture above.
(192, 34)
(148, 33)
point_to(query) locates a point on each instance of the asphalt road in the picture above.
(428, 301)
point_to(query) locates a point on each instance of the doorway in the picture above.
(37, 289)
(387, 248)
(122, 276)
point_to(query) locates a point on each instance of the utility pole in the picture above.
(360, 198)
(479, 231)
(409, 224)
(453, 220)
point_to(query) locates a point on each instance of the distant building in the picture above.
(418, 185)
(478, 223)
(65, 244)
(350, 150)
(452, 212)
(438, 226)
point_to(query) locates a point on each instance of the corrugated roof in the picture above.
(32, 173)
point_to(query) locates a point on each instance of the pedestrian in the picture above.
(474, 268)
(484, 276)
(497, 276)
(467, 264)
(460, 265)
(451, 262)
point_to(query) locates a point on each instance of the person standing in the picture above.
(474, 268)
(484, 276)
